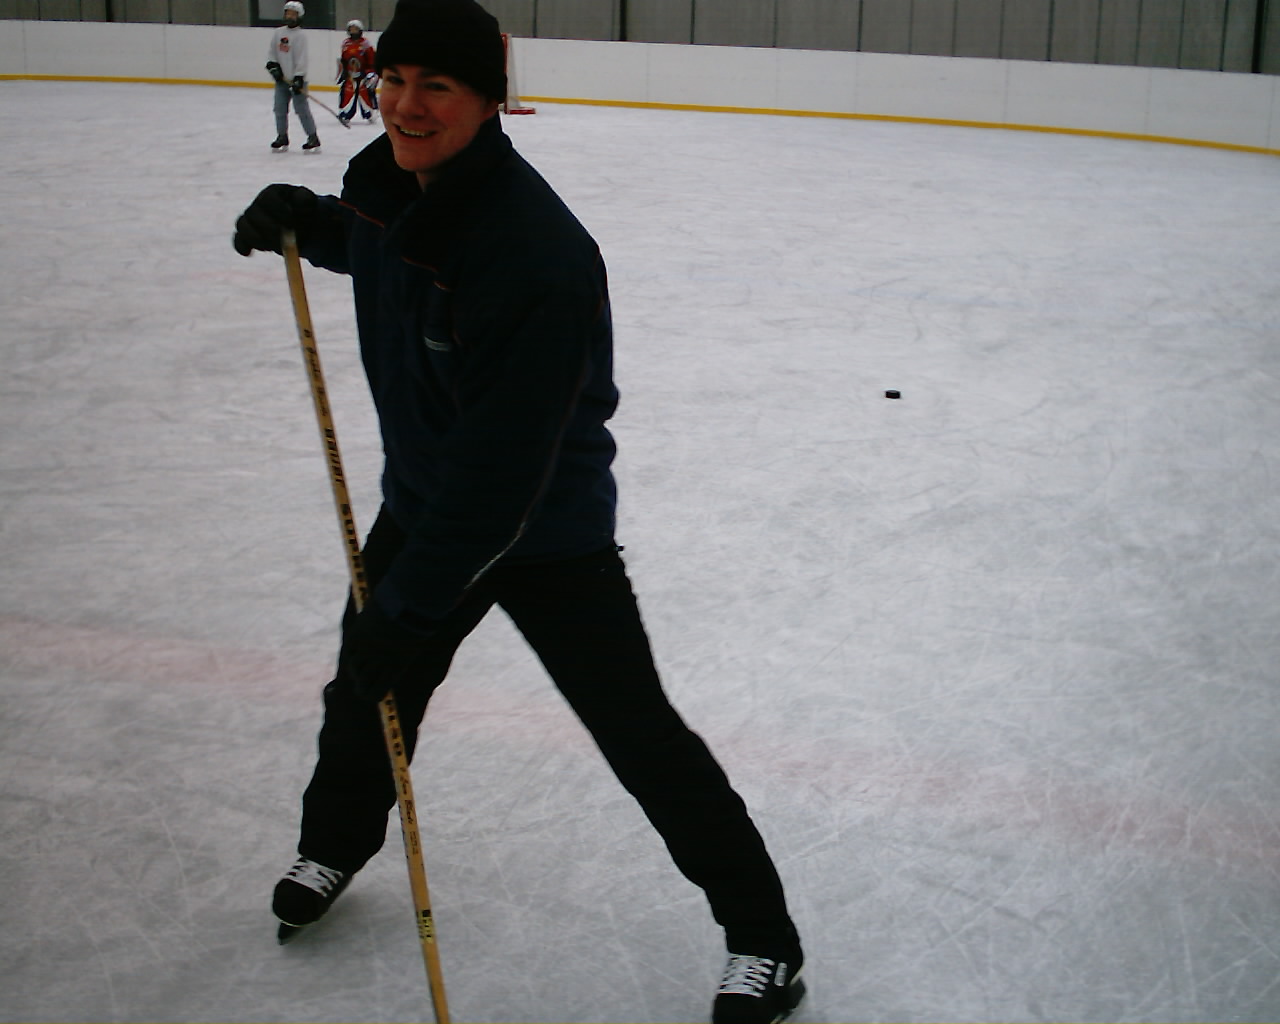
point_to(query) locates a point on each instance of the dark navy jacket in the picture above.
(483, 312)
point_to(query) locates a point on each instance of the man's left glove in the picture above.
(378, 652)
(298, 85)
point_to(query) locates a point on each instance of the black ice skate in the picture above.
(313, 142)
(281, 144)
(305, 895)
(757, 990)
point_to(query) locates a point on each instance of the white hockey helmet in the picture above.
(296, 7)
(355, 23)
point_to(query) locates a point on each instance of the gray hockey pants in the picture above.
(285, 93)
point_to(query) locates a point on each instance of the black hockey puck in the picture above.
(893, 394)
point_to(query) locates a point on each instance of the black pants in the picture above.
(580, 617)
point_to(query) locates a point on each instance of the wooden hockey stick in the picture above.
(325, 106)
(391, 731)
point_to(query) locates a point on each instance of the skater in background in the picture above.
(484, 322)
(357, 77)
(287, 64)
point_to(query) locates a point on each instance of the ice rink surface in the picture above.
(996, 666)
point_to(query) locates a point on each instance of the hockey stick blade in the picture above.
(325, 106)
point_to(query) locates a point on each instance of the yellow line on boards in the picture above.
(902, 119)
(710, 109)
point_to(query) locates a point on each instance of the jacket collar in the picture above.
(470, 168)
(453, 202)
(380, 190)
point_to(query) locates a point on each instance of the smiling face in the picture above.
(430, 118)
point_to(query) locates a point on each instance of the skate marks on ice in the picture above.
(993, 664)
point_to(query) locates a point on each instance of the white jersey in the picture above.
(289, 49)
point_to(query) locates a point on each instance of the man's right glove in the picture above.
(378, 652)
(277, 207)
(277, 72)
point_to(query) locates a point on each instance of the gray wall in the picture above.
(559, 19)
(1269, 44)
(1216, 35)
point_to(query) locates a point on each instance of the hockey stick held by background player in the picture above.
(287, 66)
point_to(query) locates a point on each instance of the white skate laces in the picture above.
(314, 876)
(758, 990)
(304, 895)
(750, 975)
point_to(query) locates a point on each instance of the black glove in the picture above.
(277, 72)
(377, 652)
(277, 207)
(298, 85)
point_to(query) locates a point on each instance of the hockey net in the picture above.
(512, 104)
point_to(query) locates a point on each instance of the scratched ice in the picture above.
(995, 664)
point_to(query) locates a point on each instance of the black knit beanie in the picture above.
(458, 38)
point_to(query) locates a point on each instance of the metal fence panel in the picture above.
(1118, 32)
(514, 16)
(1160, 33)
(886, 26)
(60, 10)
(578, 19)
(1075, 31)
(660, 21)
(1026, 30)
(734, 22)
(380, 12)
(1203, 24)
(225, 12)
(143, 10)
(345, 10)
(978, 25)
(1269, 46)
(191, 12)
(819, 24)
(1237, 35)
(933, 27)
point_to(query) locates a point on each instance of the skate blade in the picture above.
(286, 933)
(795, 996)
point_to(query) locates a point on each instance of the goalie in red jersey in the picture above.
(356, 75)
